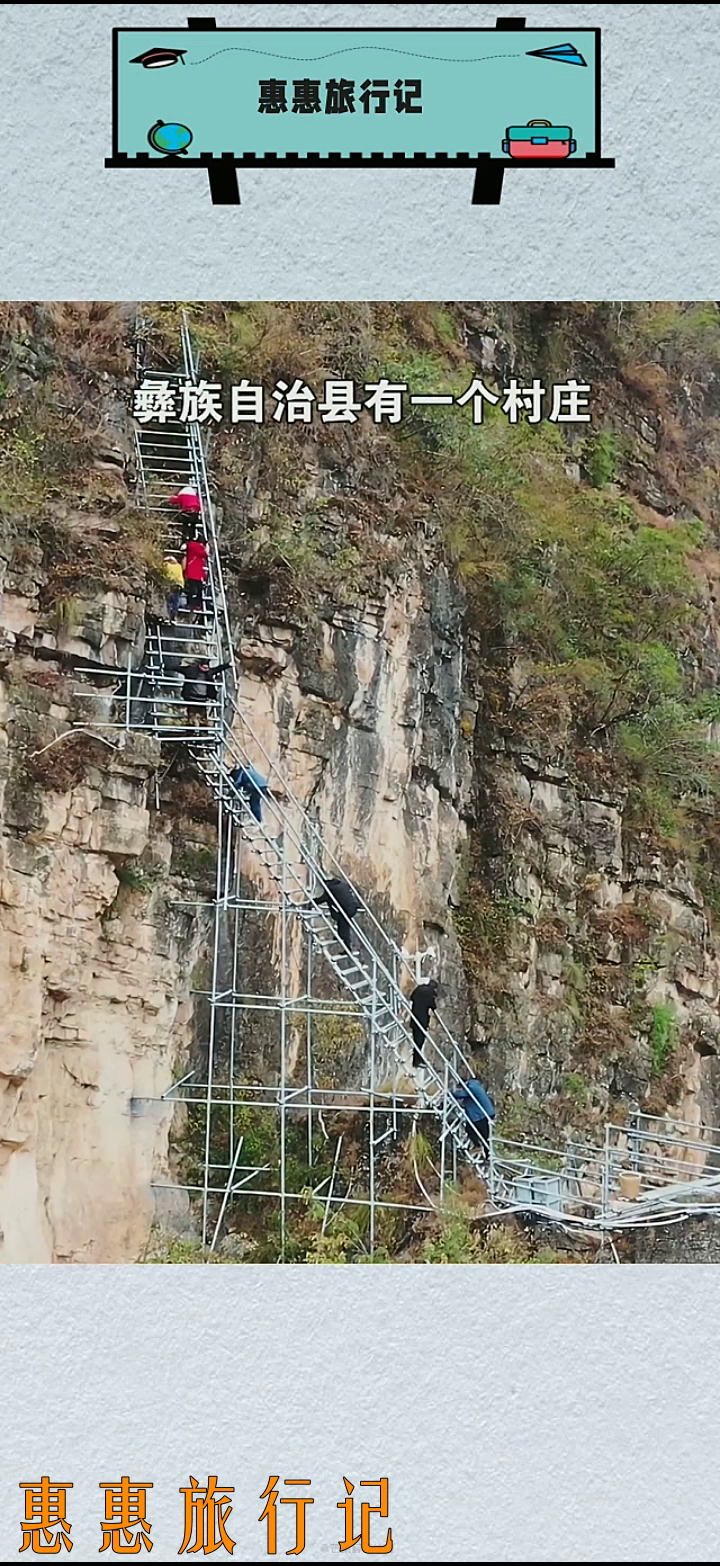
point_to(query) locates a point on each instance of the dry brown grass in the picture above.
(94, 334)
(189, 800)
(64, 765)
(552, 929)
(626, 922)
(646, 380)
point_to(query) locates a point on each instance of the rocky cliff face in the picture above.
(605, 939)
(573, 930)
(96, 1009)
(366, 718)
(97, 964)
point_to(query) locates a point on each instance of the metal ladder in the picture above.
(171, 454)
(375, 990)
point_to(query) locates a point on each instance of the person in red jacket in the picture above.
(196, 569)
(187, 504)
(186, 500)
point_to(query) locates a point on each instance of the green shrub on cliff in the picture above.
(663, 1038)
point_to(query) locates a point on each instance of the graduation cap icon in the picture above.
(565, 54)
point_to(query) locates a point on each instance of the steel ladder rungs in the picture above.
(384, 1030)
(170, 434)
(166, 455)
(388, 1029)
(155, 434)
(165, 477)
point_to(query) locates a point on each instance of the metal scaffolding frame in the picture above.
(388, 1107)
(649, 1171)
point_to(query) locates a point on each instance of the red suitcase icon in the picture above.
(539, 139)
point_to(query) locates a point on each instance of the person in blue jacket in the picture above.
(253, 785)
(479, 1110)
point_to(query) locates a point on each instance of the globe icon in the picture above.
(169, 138)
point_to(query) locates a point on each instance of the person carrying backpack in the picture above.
(479, 1111)
(342, 903)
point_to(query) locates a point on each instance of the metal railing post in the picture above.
(373, 1026)
(606, 1175)
(128, 690)
(444, 1133)
(491, 1162)
(283, 1046)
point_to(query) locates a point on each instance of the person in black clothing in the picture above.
(422, 1001)
(343, 905)
(200, 687)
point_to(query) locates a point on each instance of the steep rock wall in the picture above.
(362, 716)
(606, 933)
(565, 936)
(94, 986)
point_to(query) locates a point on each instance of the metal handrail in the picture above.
(196, 447)
(315, 863)
(399, 955)
(390, 995)
(197, 451)
(394, 1000)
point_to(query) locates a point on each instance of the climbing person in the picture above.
(253, 785)
(479, 1111)
(186, 499)
(187, 503)
(174, 576)
(200, 688)
(342, 903)
(423, 1000)
(196, 569)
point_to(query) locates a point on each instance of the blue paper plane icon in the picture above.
(565, 54)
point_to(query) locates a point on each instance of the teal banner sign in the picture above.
(488, 98)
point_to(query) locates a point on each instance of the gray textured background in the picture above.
(648, 229)
(520, 1413)
(524, 1413)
